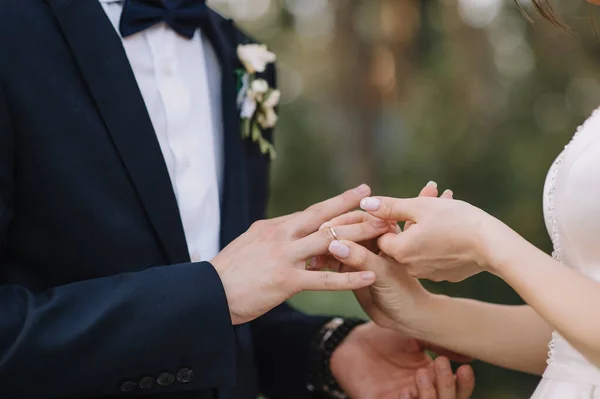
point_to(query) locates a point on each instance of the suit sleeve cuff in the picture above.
(194, 344)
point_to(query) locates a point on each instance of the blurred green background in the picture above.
(395, 93)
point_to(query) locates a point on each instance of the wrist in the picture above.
(503, 251)
(340, 357)
(511, 265)
(326, 357)
(423, 321)
(230, 294)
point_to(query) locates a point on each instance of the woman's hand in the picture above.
(328, 262)
(396, 298)
(449, 240)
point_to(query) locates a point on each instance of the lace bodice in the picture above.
(572, 214)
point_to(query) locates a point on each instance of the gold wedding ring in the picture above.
(331, 231)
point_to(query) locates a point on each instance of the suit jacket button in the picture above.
(128, 386)
(165, 379)
(185, 375)
(147, 383)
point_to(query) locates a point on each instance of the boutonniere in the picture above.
(256, 99)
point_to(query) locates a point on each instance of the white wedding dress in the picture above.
(572, 213)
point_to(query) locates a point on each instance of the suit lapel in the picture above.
(234, 206)
(104, 65)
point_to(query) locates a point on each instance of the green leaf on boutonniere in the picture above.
(246, 128)
(239, 73)
(265, 147)
(256, 133)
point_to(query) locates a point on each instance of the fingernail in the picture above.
(338, 249)
(448, 193)
(362, 189)
(370, 204)
(423, 380)
(432, 184)
(406, 395)
(368, 276)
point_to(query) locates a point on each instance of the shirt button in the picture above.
(147, 383)
(186, 161)
(165, 379)
(185, 375)
(128, 386)
(196, 256)
(168, 70)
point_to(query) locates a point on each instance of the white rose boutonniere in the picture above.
(256, 99)
(255, 57)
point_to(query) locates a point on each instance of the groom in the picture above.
(120, 153)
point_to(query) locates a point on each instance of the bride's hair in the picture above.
(545, 9)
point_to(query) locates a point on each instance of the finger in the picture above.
(424, 385)
(465, 381)
(430, 190)
(351, 218)
(282, 219)
(398, 209)
(448, 194)
(393, 244)
(323, 262)
(358, 217)
(313, 217)
(406, 394)
(318, 242)
(444, 379)
(356, 256)
(431, 372)
(329, 281)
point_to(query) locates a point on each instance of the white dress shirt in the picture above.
(180, 81)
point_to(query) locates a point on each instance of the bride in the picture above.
(452, 240)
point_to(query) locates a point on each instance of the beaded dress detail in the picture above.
(572, 215)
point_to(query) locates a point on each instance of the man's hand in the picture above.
(376, 363)
(266, 265)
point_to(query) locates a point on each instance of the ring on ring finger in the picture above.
(333, 235)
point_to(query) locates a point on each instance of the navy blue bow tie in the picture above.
(183, 16)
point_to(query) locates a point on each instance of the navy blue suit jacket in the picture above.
(96, 284)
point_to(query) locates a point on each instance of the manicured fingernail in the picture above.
(424, 381)
(448, 193)
(362, 189)
(368, 276)
(338, 249)
(370, 204)
(431, 184)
